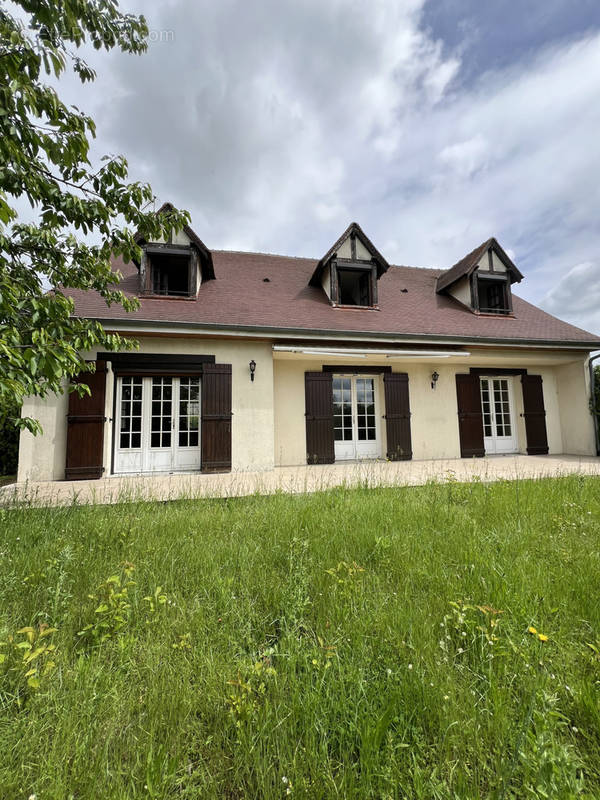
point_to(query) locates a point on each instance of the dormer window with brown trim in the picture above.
(482, 280)
(350, 270)
(172, 271)
(354, 287)
(175, 267)
(493, 295)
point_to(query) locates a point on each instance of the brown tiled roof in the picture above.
(408, 305)
(467, 264)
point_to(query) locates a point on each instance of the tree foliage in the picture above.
(9, 437)
(85, 213)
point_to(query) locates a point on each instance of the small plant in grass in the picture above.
(155, 600)
(346, 575)
(112, 607)
(594, 649)
(549, 766)
(470, 632)
(248, 690)
(184, 642)
(26, 660)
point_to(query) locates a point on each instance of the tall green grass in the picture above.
(353, 644)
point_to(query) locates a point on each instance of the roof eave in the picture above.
(267, 330)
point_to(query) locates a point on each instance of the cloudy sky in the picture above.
(433, 123)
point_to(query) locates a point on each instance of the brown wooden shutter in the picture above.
(470, 416)
(397, 416)
(535, 415)
(318, 393)
(85, 427)
(216, 418)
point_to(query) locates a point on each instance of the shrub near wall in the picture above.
(9, 438)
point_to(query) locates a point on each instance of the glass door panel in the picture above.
(187, 451)
(128, 428)
(497, 406)
(343, 432)
(159, 456)
(158, 424)
(354, 417)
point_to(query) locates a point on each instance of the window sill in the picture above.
(145, 296)
(354, 308)
(500, 315)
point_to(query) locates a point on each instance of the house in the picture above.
(250, 361)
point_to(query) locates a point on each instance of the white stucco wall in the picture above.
(268, 424)
(573, 391)
(461, 290)
(484, 265)
(434, 412)
(362, 254)
(345, 250)
(43, 457)
(326, 280)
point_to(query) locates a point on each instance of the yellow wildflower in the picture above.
(532, 631)
(542, 638)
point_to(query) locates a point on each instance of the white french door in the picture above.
(497, 405)
(356, 432)
(157, 424)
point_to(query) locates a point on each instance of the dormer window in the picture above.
(175, 266)
(354, 286)
(482, 280)
(171, 271)
(493, 295)
(348, 273)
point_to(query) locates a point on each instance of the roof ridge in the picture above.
(260, 253)
(308, 258)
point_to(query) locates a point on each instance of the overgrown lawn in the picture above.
(356, 644)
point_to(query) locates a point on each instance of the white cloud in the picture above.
(465, 158)
(576, 296)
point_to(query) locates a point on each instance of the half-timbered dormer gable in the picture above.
(350, 269)
(175, 266)
(482, 280)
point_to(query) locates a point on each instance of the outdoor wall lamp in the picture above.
(252, 366)
(434, 379)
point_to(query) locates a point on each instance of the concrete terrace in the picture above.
(295, 479)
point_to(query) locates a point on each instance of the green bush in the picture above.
(9, 438)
